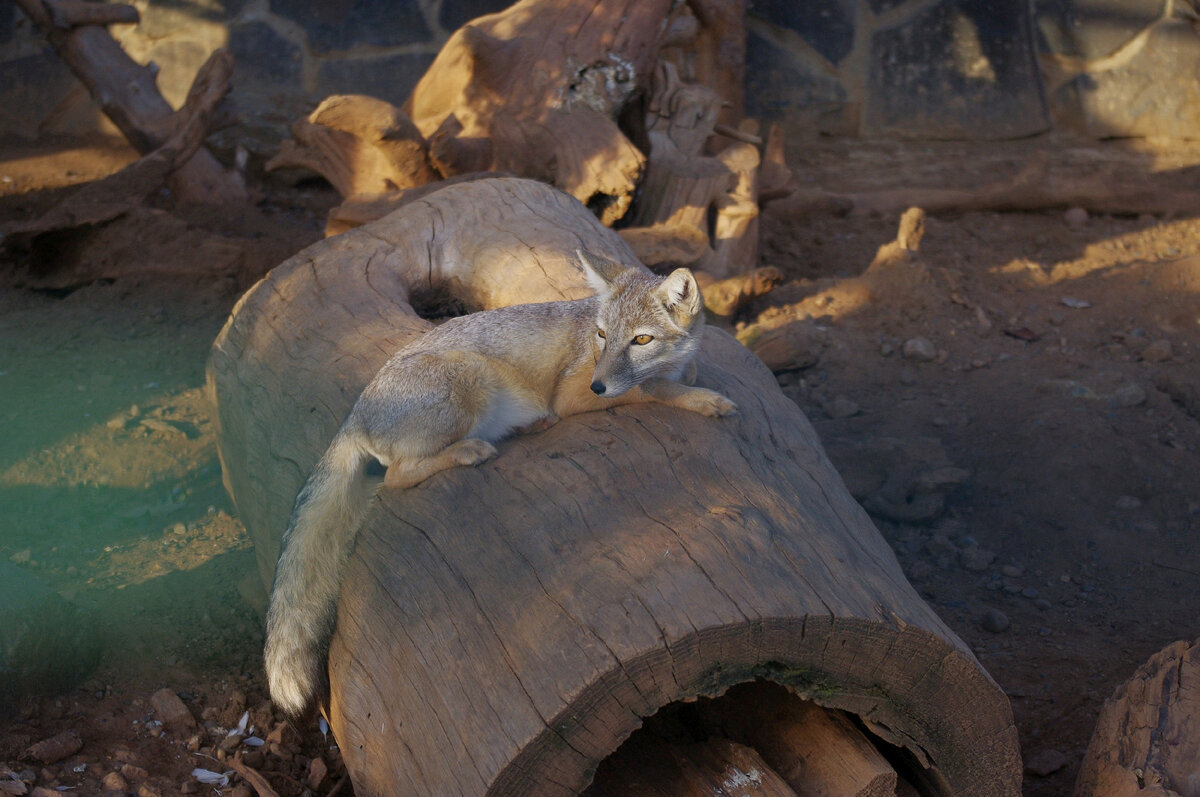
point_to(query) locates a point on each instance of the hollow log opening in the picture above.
(759, 738)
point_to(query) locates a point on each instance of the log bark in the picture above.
(1145, 743)
(128, 95)
(502, 629)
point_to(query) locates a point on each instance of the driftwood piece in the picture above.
(535, 90)
(717, 766)
(683, 187)
(361, 145)
(105, 199)
(127, 94)
(1146, 742)
(504, 628)
(706, 41)
(817, 752)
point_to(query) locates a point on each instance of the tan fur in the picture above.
(443, 401)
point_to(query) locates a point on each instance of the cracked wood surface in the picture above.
(503, 628)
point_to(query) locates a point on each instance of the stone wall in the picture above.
(977, 69)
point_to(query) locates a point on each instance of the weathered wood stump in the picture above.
(502, 629)
(1146, 741)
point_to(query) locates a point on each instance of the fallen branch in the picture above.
(129, 96)
(119, 193)
(251, 776)
(76, 13)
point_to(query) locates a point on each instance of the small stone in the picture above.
(1128, 502)
(841, 407)
(1029, 592)
(1129, 395)
(920, 349)
(1158, 351)
(976, 559)
(1076, 218)
(1045, 762)
(134, 772)
(1012, 571)
(994, 621)
(171, 711)
(146, 790)
(920, 570)
(114, 781)
(317, 770)
(189, 787)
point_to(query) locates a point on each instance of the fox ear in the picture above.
(680, 294)
(601, 272)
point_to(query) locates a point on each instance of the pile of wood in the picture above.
(622, 105)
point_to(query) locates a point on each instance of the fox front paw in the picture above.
(710, 403)
(472, 451)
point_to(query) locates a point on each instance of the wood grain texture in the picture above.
(503, 628)
(1146, 742)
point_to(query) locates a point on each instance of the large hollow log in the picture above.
(502, 629)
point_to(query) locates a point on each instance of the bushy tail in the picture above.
(300, 621)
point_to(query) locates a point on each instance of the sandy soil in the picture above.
(1016, 404)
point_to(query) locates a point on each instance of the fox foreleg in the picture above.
(686, 397)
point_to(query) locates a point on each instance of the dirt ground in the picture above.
(1017, 404)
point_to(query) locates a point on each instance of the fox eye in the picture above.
(642, 340)
(600, 332)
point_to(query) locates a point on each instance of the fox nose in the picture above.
(598, 387)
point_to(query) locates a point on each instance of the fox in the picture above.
(446, 399)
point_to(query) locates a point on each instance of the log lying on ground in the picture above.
(502, 629)
(1145, 742)
(128, 95)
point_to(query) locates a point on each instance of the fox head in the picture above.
(646, 326)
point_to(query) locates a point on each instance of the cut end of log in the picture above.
(757, 739)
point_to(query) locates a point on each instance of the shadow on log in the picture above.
(502, 629)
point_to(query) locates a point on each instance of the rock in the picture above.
(317, 770)
(920, 349)
(1012, 571)
(1128, 502)
(171, 711)
(114, 781)
(1076, 218)
(46, 645)
(790, 347)
(939, 545)
(976, 559)
(56, 748)
(994, 621)
(1157, 352)
(841, 407)
(134, 772)
(1045, 762)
